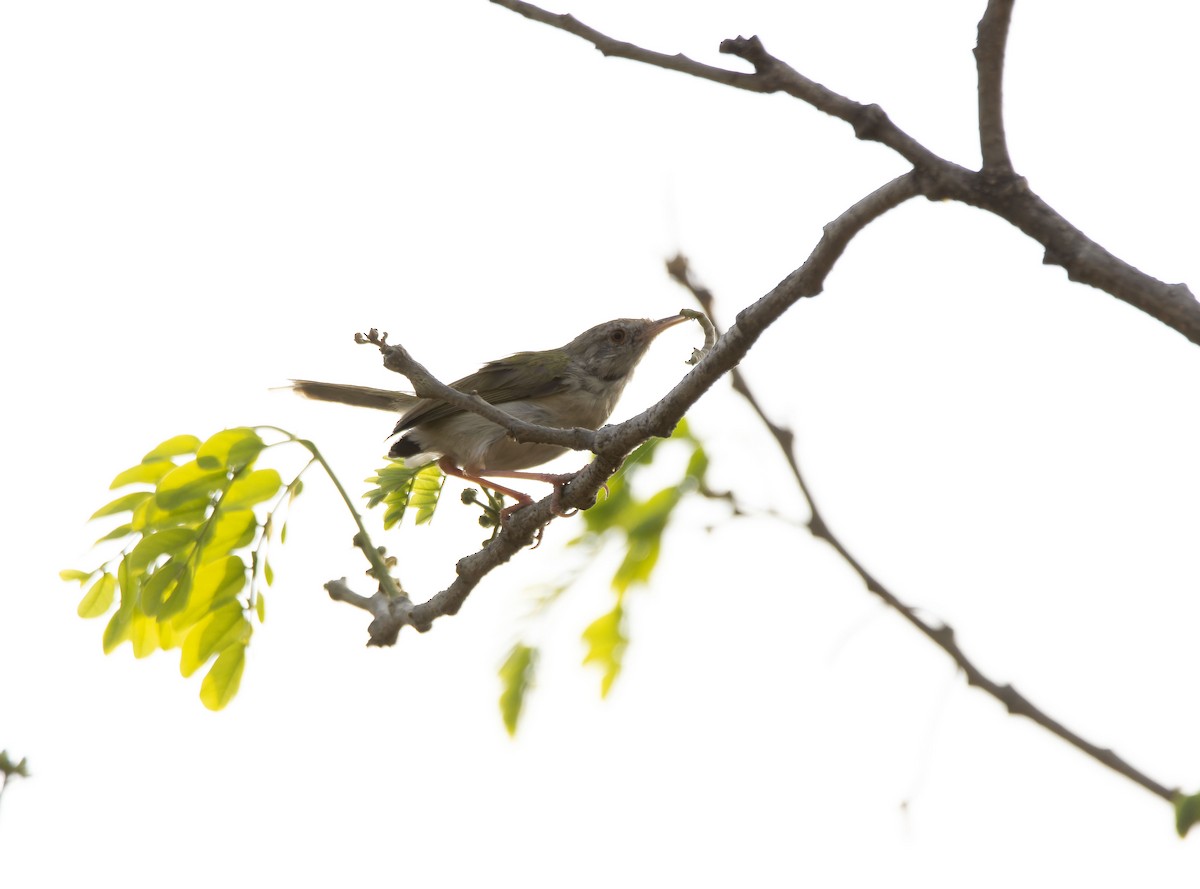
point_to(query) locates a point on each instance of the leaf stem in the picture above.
(388, 584)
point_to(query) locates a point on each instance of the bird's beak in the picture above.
(663, 323)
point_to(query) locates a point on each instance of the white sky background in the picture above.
(199, 201)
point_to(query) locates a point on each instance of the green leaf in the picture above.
(268, 573)
(1187, 812)
(75, 574)
(143, 635)
(99, 597)
(117, 533)
(164, 581)
(426, 489)
(217, 582)
(246, 490)
(171, 541)
(117, 630)
(150, 517)
(143, 473)
(173, 447)
(516, 677)
(224, 626)
(395, 488)
(124, 503)
(638, 564)
(222, 681)
(606, 643)
(188, 483)
(229, 530)
(260, 606)
(229, 449)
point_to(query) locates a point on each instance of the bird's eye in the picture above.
(618, 336)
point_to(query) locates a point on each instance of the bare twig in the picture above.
(996, 188)
(942, 635)
(989, 60)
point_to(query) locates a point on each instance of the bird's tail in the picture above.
(359, 396)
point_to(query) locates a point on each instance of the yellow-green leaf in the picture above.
(260, 606)
(255, 487)
(143, 634)
(230, 530)
(117, 533)
(229, 449)
(143, 473)
(606, 642)
(188, 483)
(99, 597)
(173, 447)
(124, 503)
(171, 541)
(516, 676)
(75, 574)
(117, 630)
(223, 627)
(217, 582)
(222, 681)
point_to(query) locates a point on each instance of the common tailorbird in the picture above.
(574, 385)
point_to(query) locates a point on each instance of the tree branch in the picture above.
(996, 188)
(942, 634)
(989, 60)
(613, 444)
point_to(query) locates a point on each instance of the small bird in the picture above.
(575, 385)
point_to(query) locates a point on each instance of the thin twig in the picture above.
(942, 634)
(989, 60)
(996, 188)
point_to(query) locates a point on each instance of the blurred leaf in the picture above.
(99, 597)
(171, 541)
(1187, 812)
(117, 630)
(247, 490)
(9, 768)
(143, 635)
(228, 530)
(124, 503)
(117, 533)
(229, 449)
(260, 606)
(75, 574)
(173, 447)
(188, 483)
(606, 643)
(143, 473)
(639, 562)
(222, 681)
(516, 677)
(160, 587)
(218, 582)
(268, 573)
(223, 626)
(151, 517)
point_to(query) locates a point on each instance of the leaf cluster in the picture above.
(190, 546)
(635, 525)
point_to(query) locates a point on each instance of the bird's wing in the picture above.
(520, 376)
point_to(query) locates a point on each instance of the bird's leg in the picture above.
(557, 479)
(446, 465)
